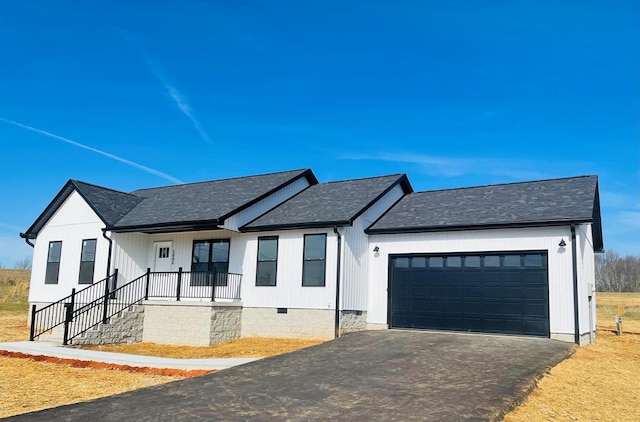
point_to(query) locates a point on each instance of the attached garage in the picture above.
(505, 293)
(512, 259)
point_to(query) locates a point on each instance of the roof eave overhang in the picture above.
(173, 227)
(296, 226)
(515, 225)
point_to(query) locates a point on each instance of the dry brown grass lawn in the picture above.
(240, 348)
(600, 382)
(27, 386)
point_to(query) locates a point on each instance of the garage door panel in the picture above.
(495, 293)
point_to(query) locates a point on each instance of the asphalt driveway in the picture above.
(370, 376)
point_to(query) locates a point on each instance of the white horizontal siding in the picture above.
(545, 239)
(254, 211)
(73, 222)
(355, 262)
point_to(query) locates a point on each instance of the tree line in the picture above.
(617, 274)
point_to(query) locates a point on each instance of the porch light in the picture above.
(376, 249)
(562, 243)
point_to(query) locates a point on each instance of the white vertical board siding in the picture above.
(73, 222)
(288, 291)
(545, 239)
(355, 263)
(130, 255)
(260, 207)
(586, 275)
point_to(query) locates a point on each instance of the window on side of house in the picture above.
(267, 267)
(53, 262)
(210, 260)
(314, 260)
(87, 261)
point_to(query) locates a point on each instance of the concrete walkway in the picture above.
(55, 350)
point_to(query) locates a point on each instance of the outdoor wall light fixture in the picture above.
(376, 249)
(562, 243)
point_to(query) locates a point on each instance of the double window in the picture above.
(267, 267)
(313, 260)
(53, 262)
(87, 261)
(210, 262)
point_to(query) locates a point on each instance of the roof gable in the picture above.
(565, 200)
(202, 204)
(328, 204)
(108, 204)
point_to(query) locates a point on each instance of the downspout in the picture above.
(104, 234)
(26, 239)
(338, 255)
(576, 305)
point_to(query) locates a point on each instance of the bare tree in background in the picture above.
(23, 264)
(617, 274)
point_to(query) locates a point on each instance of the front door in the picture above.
(162, 257)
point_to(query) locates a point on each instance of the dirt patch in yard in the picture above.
(248, 347)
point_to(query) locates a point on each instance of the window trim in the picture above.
(93, 266)
(258, 260)
(324, 259)
(47, 270)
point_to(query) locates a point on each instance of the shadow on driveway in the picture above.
(373, 376)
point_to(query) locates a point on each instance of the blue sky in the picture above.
(453, 93)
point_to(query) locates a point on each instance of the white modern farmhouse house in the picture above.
(282, 255)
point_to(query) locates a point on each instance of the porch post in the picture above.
(146, 287)
(212, 276)
(68, 317)
(179, 284)
(32, 329)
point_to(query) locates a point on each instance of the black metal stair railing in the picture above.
(90, 307)
(156, 285)
(83, 318)
(49, 317)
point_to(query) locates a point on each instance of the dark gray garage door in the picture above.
(493, 293)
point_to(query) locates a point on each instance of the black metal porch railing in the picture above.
(193, 285)
(87, 308)
(49, 317)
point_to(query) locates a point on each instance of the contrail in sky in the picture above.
(97, 151)
(175, 94)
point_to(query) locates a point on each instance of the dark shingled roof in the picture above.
(188, 206)
(565, 200)
(110, 205)
(209, 202)
(328, 204)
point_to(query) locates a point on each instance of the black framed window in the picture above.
(314, 260)
(53, 262)
(210, 259)
(87, 261)
(267, 267)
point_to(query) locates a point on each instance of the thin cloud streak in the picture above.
(97, 151)
(454, 167)
(178, 98)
